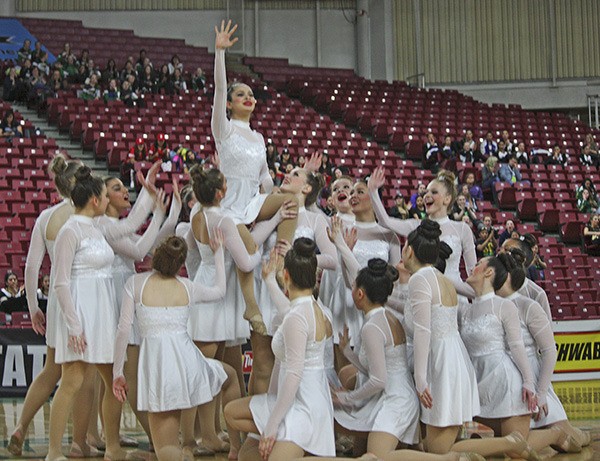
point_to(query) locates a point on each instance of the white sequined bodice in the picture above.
(444, 321)
(123, 265)
(240, 158)
(94, 256)
(453, 262)
(395, 358)
(156, 321)
(369, 249)
(482, 334)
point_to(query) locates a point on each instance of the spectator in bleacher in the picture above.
(418, 211)
(179, 84)
(139, 151)
(164, 84)
(11, 85)
(486, 244)
(70, 69)
(127, 71)
(285, 159)
(591, 235)
(503, 154)
(12, 296)
(521, 154)
(589, 139)
(421, 189)
(469, 138)
(536, 269)
(64, 55)
(586, 203)
(587, 157)
(42, 292)
(487, 223)
(25, 70)
(25, 51)
(160, 149)
(110, 71)
(505, 137)
(326, 168)
(448, 155)
(509, 172)
(112, 93)
(82, 75)
(148, 80)
(509, 227)
(37, 53)
(466, 155)
(198, 80)
(400, 209)
(94, 69)
(141, 62)
(474, 190)
(56, 82)
(589, 185)
(489, 173)
(175, 64)
(84, 57)
(128, 96)
(462, 208)
(557, 157)
(471, 201)
(91, 89)
(10, 127)
(272, 156)
(43, 66)
(431, 152)
(488, 147)
(329, 208)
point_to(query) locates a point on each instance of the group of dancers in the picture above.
(391, 350)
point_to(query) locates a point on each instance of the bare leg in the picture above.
(381, 443)
(400, 455)
(285, 451)
(249, 450)
(440, 439)
(230, 393)
(111, 411)
(513, 443)
(556, 437)
(582, 437)
(82, 412)
(93, 434)
(340, 359)
(37, 394)
(164, 427)
(262, 364)
(130, 370)
(72, 378)
(239, 416)
(233, 357)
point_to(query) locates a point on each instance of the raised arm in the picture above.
(420, 298)
(235, 245)
(116, 230)
(327, 259)
(35, 256)
(169, 225)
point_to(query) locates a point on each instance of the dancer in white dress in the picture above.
(296, 416)
(87, 320)
(244, 163)
(439, 200)
(188, 200)
(491, 331)
(43, 236)
(306, 186)
(173, 374)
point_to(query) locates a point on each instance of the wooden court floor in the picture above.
(35, 447)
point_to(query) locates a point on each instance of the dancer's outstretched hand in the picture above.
(335, 228)
(223, 39)
(176, 192)
(120, 389)
(351, 237)
(377, 179)
(314, 162)
(161, 201)
(270, 266)
(344, 338)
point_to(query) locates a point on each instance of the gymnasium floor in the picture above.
(36, 446)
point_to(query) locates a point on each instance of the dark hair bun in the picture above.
(445, 251)
(429, 229)
(507, 261)
(377, 267)
(518, 255)
(197, 173)
(174, 246)
(392, 274)
(83, 173)
(305, 247)
(529, 240)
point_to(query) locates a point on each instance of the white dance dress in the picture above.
(298, 406)
(385, 399)
(172, 373)
(441, 361)
(84, 286)
(310, 225)
(535, 292)
(193, 259)
(38, 247)
(491, 331)
(241, 153)
(541, 352)
(223, 319)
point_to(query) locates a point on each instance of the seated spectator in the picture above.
(489, 173)
(503, 154)
(557, 157)
(37, 87)
(301, 161)
(70, 69)
(462, 208)
(521, 154)
(25, 70)
(110, 71)
(587, 157)
(179, 84)
(589, 185)
(112, 93)
(24, 52)
(38, 52)
(147, 81)
(466, 155)
(128, 96)
(326, 168)
(12, 297)
(589, 139)
(488, 147)
(586, 203)
(56, 82)
(509, 227)
(84, 57)
(329, 208)
(43, 291)
(469, 138)
(464, 189)
(418, 211)
(164, 84)
(431, 152)
(11, 86)
(9, 127)
(486, 244)
(536, 269)
(474, 190)
(91, 90)
(591, 236)
(128, 70)
(421, 189)
(43, 65)
(139, 151)
(64, 55)
(160, 149)
(175, 64)
(198, 80)
(94, 69)
(487, 223)
(285, 159)
(141, 62)
(400, 209)
(505, 138)
(448, 155)
(188, 158)
(509, 172)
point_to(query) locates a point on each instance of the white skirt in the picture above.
(120, 277)
(556, 411)
(51, 314)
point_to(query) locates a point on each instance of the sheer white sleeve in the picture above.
(395, 250)
(373, 341)
(67, 243)
(168, 226)
(295, 334)
(350, 264)
(263, 229)
(235, 245)
(509, 316)
(193, 260)
(542, 298)
(352, 357)
(219, 124)
(399, 298)
(124, 328)
(468, 248)
(35, 257)
(280, 300)
(201, 293)
(115, 230)
(463, 288)
(420, 297)
(137, 248)
(327, 259)
(541, 330)
(399, 226)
